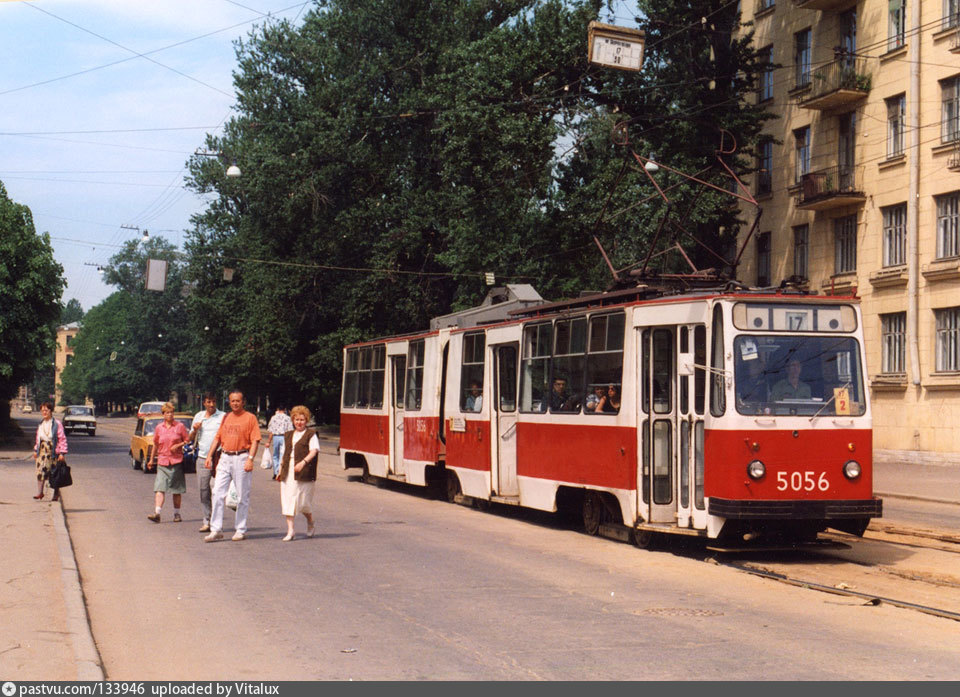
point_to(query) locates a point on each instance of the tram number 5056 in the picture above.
(802, 481)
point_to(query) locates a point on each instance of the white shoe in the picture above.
(265, 467)
(213, 536)
(311, 529)
(286, 538)
(237, 536)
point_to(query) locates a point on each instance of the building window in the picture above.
(845, 244)
(896, 110)
(801, 248)
(894, 235)
(950, 120)
(801, 58)
(896, 24)
(764, 5)
(802, 149)
(763, 259)
(948, 339)
(951, 13)
(766, 73)
(893, 330)
(765, 168)
(948, 225)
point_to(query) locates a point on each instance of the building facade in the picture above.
(64, 354)
(860, 189)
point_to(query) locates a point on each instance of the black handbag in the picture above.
(59, 475)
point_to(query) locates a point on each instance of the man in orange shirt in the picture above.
(239, 436)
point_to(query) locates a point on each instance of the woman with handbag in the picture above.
(168, 440)
(50, 446)
(298, 471)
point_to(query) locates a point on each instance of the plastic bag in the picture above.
(266, 462)
(232, 499)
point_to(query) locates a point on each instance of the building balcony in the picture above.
(826, 5)
(831, 188)
(838, 84)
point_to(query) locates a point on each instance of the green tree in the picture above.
(71, 312)
(31, 283)
(130, 347)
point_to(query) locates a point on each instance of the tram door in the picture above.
(505, 405)
(398, 365)
(658, 423)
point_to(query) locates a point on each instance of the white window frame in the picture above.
(950, 109)
(802, 153)
(948, 225)
(765, 91)
(896, 24)
(951, 14)
(948, 339)
(764, 254)
(845, 244)
(893, 332)
(894, 234)
(765, 168)
(896, 113)
(801, 57)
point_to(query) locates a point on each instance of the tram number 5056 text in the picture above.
(802, 481)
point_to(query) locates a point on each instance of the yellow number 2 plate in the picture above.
(841, 398)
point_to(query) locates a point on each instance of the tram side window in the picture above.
(718, 397)
(569, 365)
(363, 386)
(535, 368)
(415, 375)
(699, 359)
(471, 373)
(605, 364)
(351, 381)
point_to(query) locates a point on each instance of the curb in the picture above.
(89, 664)
(909, 497)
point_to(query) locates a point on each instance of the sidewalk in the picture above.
(44, 629)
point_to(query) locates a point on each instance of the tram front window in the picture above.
(798, 375)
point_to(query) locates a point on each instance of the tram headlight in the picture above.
(756, 469)
(851, 470)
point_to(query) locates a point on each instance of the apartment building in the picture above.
(860, 189)
(64, 354)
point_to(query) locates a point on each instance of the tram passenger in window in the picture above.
(558, 396)
(474, 397)
(610, 404)
(594, 398)
(791, 387)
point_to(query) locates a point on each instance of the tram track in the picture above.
(871, 598)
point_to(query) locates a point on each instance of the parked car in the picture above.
(146, 408)
(27, 409)
(141, 444)
(79, 417)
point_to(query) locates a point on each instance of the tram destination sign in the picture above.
(615, 47)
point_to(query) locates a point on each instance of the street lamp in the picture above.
(232, 170)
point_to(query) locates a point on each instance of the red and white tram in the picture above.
(737, 415)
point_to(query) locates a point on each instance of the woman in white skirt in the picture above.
(298, 470)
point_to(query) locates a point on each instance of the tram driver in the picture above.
(791, 387)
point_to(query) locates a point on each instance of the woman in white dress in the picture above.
(298, 470)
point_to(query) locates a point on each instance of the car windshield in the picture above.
(79, 411)
(798, 375)
(150, 408)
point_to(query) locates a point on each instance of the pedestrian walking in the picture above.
(167, 455)
(298, 472)
(49, 446)
(239, 437)
(279, 424)
(206, 423)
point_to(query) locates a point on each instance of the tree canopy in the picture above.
(393, 152)
(31, 283)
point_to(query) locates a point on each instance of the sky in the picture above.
(94, 138)
(91, 147)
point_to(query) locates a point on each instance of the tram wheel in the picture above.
(641, 538)
(452, 487)
(592, 512)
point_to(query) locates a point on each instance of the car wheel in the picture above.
(134, 463)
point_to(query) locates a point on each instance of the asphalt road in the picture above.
(398, 586)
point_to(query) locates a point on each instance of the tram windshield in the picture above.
(798, 375)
